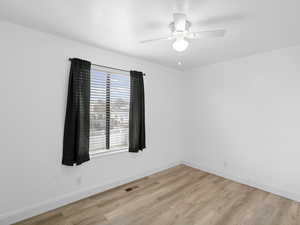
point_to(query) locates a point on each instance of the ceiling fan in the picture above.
(181, 32)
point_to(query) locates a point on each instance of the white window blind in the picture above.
(109, 111)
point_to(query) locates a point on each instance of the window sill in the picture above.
(107, 153)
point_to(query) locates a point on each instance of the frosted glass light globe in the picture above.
(180, 45)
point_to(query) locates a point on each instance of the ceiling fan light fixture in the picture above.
(180, 45)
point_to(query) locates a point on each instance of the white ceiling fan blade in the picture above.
(206, 34)
(179, 21)
(158, 39)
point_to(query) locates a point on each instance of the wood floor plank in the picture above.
(178, 196)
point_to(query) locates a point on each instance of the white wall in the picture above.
(245, 120)
(33, 88)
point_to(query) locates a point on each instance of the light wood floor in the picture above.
(177, 196)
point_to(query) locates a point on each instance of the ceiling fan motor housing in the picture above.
(180, 24)
(186, 28)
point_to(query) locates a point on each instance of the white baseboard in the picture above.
(33, 210)
(265, 187)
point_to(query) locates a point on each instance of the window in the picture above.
(109, 111)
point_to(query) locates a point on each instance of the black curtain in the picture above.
(137, 140)
(77, 121)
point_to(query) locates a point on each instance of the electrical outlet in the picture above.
(225, 164)
(79, 180)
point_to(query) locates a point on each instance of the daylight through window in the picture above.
(109, 111)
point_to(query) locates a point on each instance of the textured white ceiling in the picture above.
(253, 25)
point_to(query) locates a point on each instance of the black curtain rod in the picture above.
(108, 67)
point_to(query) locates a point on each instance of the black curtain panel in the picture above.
(137, 140)
(77, 121)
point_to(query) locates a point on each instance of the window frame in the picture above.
(114, 150)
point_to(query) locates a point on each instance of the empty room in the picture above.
(139, 112)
